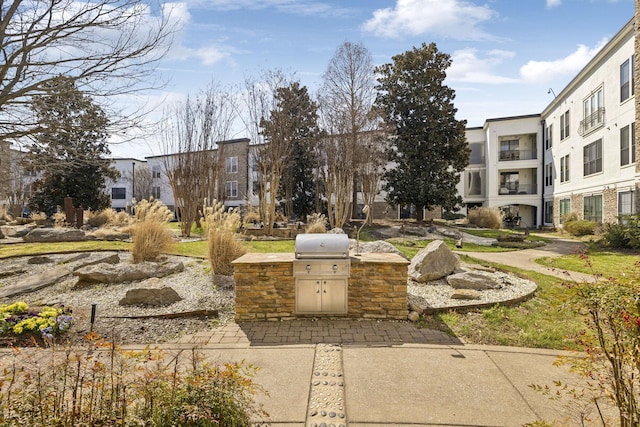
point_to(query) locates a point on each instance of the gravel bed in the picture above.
(200, 290)
(436, 294)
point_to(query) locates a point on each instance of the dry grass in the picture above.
(223, 247)
(4, 214)
(486, 217)
(251, 215)
(151, 236)
(316, 223)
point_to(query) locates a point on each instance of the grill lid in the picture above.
(322, 246)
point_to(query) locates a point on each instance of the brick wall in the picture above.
(265, 287)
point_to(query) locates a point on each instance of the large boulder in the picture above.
(35, 282)
(378, 246)
(476, 281)
(125, 272)
(16, 230)
(40, 235)
(433, 262)
(151, 296)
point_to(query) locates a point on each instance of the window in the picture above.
(626, 78)
(510, 149)
(564, 168)
(474, 183)
(593, 208)
(118, 193)
(626, 203)
(593, 112)
(548, 212)
(155, 192)
(231, 164)
(231, 189)
(548, 174)
(256, 185)
(565, 209)
(627, 145)
(477, 153)
(509, 182)
(548, 141)
(592, 158)
(564, 125)
(155, 172)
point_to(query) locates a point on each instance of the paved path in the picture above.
(369, 374)
(525, 258)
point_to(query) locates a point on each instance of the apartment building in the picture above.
(579, 156)
(505, 169)
(590, 159)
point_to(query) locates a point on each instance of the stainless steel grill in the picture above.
(321, 271)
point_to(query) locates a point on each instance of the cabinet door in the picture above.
(334, 296)
(308, 295)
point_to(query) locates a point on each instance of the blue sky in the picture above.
(506, 53)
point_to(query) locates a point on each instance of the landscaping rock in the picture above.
(379, 246)
(1, 234)
(476, 281)
(111, 259)
(413, 316)
(466, 294)
(416, 308)
(16, 231)
(151, 296)
(118, 273)
(40, 235)
(39, 260)
(35, 282)
(433, 262)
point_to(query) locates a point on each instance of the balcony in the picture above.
(592, 122)
(509, 155)
(510, 189)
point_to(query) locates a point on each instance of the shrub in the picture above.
(251, 215)
(486, 217)
(151, 236)
(610, 361)
(103, 385)
(580, 227)
(316, 223)
(223, 247)
(625, 234)
(99, 218)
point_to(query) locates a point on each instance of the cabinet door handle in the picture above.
(317, 286)
(324, 287)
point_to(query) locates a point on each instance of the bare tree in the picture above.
(141, 182)
(107, 47)
(192, 161)
(346, 98)
(260, 99)
(374, 145)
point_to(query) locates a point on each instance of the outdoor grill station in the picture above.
(321, 270)
(320, 279)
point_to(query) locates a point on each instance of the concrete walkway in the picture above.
(525, 258)
(386, 374)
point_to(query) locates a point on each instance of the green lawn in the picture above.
(597, 261)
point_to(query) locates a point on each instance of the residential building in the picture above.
(505, 169)
(590, 151)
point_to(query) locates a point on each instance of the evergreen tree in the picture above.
(294, 123)
(69, 153)
(429, 148)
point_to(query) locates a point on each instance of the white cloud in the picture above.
(456, 19)
(543, 71)
(468, 67)
(553, 3)
(297, 7)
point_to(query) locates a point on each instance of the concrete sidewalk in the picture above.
(433, 379)
(525, 258)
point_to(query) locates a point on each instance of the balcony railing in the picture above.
(508, 155)
(592, 122)
(512, 189)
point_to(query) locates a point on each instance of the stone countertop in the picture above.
(267, 258)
